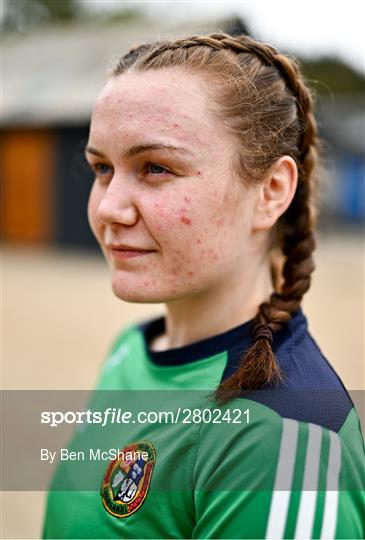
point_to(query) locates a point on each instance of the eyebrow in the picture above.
(139, 148)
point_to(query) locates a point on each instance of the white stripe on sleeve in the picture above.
(283, 480)
(329, 522)
(307, 506)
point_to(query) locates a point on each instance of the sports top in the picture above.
(276, 463)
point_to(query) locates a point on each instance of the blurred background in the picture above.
(59, 314)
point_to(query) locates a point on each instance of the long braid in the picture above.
(258, 366)
(296, 239)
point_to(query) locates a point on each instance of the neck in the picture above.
(215, 311)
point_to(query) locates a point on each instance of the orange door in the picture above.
(27, 171)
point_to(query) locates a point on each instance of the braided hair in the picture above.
(262, 99)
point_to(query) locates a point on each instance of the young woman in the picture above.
(204, 197)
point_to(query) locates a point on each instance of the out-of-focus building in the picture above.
(343, 128)
(51, 79)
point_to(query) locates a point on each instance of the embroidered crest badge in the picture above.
(127, 479)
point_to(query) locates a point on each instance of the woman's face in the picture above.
(164, 184)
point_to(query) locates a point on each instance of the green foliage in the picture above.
(329, 75)
(19, 15)
(63, 10)
(23, 15)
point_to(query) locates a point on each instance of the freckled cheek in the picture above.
(188, 239)
(195, 258)
(173, 219)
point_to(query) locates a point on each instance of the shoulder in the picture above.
(276, 477)
(252, 447)
(311, 390)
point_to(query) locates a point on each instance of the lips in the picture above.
(123, 251)
(124, 247)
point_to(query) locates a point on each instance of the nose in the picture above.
(118, 204)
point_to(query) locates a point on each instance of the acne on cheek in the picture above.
(160, 209)
(163, 216)
(183, 217)
(166, 219)
(212, 255)
(185, 220)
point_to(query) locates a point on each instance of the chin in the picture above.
(144, 290)
(137, 294)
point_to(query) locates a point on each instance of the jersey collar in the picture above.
(239, 336)
(200, 350)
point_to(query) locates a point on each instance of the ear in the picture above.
(275, 193)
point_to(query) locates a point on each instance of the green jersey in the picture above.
(284, 462)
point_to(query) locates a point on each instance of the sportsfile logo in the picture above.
(113, 415)
(110, 415)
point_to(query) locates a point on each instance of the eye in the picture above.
(101, 169)
(155, 170)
